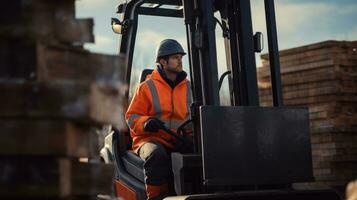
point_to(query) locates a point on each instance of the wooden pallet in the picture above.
(317, 46)
(313, 92)
(328, 73)
(314, 100)
(346, 84)
(265, 71)
(305, 59)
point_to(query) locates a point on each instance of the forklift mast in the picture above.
(242, 145)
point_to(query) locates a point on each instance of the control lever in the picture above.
(185, 144)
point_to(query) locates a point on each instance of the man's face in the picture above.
(173, 64)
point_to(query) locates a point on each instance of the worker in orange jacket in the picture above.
(162, 99)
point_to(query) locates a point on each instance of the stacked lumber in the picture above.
(54, 96)
(322, 77)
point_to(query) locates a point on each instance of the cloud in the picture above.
(352, 35)
(290, 17)
(90, 5)
(104, 44)
(293, 16)
(304, 22)
(349, 34)
(348, 9)
(103, 40)
(149, 40)
(146, 44)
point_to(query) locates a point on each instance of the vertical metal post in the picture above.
(206, 43)
(248, 78)
(196, 84)
(233, 44)
(273, 53)
(229, 67)
(193, 53)
(128, 41)
(223, 10)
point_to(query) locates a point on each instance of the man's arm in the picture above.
(138, 111)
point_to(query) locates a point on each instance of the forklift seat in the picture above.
(144, 74)
(129, 167)
(134, 165)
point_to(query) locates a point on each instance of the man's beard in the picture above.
(174, 70)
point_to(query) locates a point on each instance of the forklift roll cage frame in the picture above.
(240, 46)
(200, 31)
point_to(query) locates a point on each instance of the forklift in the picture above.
(242, 151)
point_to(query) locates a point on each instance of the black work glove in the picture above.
(153, 125)
(185, 145)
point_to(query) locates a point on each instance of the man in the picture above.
(163, 99)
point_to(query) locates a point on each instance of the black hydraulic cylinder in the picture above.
(195, 72)
(193, 52)
(247, 71)
(273, 53)
(207, 53)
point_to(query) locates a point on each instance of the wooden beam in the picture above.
(98, 102)
(48, 62)
(78, 31)
(47, 137)
(53, 177)
(45, 20)
(57, 62)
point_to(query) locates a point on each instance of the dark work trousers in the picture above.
(157, 163)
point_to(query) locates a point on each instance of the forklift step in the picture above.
(266, 195)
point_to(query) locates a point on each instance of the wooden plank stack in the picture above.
(322, 77)
(54, 95)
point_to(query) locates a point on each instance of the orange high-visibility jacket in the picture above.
(155, 98)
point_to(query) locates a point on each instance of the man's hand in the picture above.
(153, 125)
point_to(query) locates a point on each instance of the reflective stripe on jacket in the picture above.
(155, 98)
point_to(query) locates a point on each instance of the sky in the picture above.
(299, 22)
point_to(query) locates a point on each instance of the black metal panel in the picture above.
(162, 12)
(273, 53)
(186, 169)
(166, 2)
(255, 145)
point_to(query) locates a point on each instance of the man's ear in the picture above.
(162, 61)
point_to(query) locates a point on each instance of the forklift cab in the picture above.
(241, 151)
